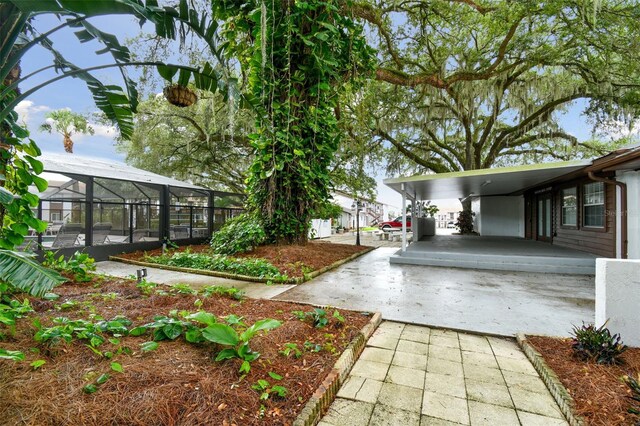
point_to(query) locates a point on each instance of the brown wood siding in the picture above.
(601, 242)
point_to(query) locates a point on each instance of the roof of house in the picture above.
(483, 182)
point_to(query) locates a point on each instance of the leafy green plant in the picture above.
(146, 287)
(68, 304)
(634, 386)
(266, 390)
(11, 355)
(93, 387)
(238, 343)
(230, 292)
(181, 288)
(291, 349)
(312, 347)
(318, 316)
(164, 328)
(66, 330)
(591, 343)
(149, 346)
(238, 235)
(10, 310)
(37, 364)
(79, 264)
(212, 262)
(464, 223)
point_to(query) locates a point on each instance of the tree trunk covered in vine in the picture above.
(300, 58)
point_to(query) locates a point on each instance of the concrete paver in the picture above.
(489, 384)
(377, 355)
(388, 416)
(398, 396)
(482, 414)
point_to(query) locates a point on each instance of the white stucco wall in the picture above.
(618, 297)
(632, 179)
(501, 216)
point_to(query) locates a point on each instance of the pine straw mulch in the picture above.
(179, 383)
(600, 396)
(293, 260)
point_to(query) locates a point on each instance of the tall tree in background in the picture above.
(471, 84)
(66, 124)
(194, 143)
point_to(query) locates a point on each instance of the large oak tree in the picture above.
(464, 85)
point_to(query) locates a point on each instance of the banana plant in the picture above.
(17, 36)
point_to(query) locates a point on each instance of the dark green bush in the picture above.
(238, 235)
(593, 343)
(465, 222)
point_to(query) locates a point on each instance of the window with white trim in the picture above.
(593, 205)
(570, 206)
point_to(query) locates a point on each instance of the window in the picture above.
(570, 206)
(593, 205)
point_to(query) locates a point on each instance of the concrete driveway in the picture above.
(495, 302)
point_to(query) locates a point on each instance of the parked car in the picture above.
(451, 225)
(395, 223)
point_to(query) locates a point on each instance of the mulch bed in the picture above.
(600, 396)
(179, 383)
(292, 260)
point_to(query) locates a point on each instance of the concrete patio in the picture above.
(495, 302)
(495, 253)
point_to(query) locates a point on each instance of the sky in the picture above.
(72, 94)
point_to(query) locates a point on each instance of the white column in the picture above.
(404, 218)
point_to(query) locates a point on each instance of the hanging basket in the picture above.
(180, 96)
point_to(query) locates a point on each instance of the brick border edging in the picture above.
(327, 391)
(558, 391)
(306, 277)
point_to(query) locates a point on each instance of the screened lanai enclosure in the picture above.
(108, 207)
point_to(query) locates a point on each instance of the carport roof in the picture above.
(483, 182)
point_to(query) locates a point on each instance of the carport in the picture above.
(497, 199)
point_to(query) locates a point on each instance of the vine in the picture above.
(316, 53)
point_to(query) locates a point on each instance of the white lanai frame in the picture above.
(476, 183)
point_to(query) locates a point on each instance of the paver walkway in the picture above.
(412, 375)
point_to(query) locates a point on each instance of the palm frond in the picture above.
(20, 270)
(110, 99)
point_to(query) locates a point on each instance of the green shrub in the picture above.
(238, 235)
(251, 267)
(79, 264)
(464, 224)
(593, 343)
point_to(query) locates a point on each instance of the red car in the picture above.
(394, 224)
